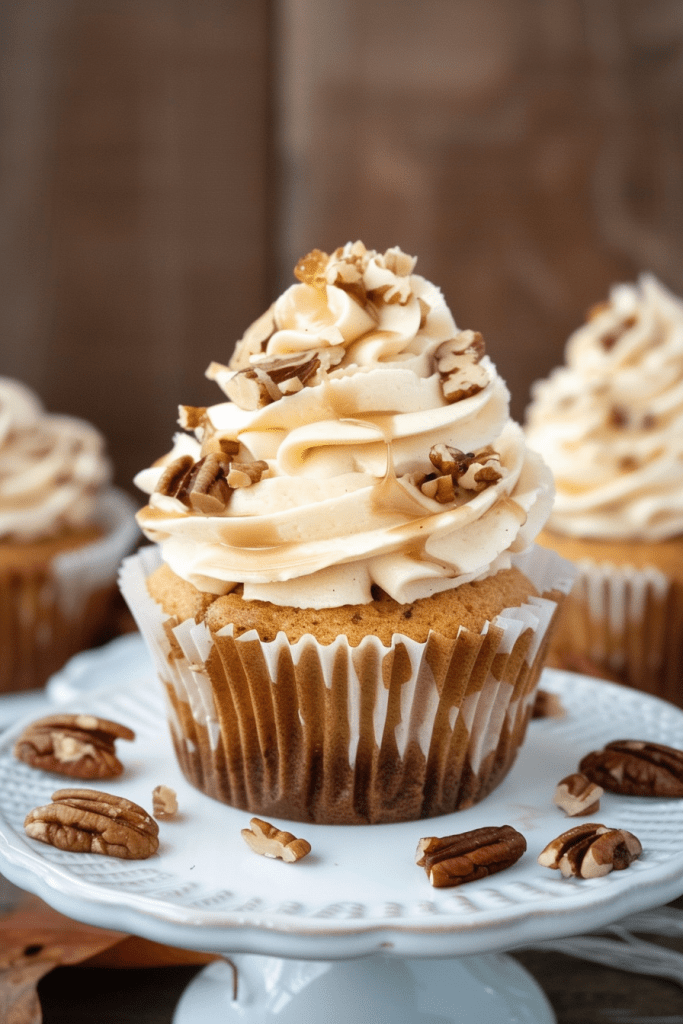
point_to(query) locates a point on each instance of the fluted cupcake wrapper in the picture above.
(53, 608)
(350, 735)
(628, 622)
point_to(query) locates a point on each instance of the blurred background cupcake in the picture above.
(63, 532)
(610, 425)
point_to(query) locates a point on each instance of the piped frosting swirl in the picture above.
(367, 441)
(610, 422)
(51, 468)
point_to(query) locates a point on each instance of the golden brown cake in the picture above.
(62, 535)
(610, 425)
(346, 607)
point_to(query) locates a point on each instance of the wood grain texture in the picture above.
(166, 163)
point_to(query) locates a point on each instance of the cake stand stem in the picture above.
(382, 989)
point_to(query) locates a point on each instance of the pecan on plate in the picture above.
(547, 705)
(636, 768)
(590, 851)
(454, 860)
(458, 365)
(86, 821)
(267, 840)
(164, 802)
(81, 746)
(577, 795)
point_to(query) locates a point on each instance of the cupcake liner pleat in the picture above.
(349, 735)
(628, 622)
(53, 608)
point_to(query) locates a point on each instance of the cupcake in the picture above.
(344, 603)
(610, 425)
(63, 533)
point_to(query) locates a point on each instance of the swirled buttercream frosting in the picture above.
(610, 422)
(366, 441)
(51, 468)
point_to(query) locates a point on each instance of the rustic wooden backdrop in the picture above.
(165, 162)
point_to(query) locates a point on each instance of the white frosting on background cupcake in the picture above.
(610, 422)
(51, 468)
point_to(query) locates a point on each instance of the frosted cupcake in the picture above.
(345, 606)
(63, 533)
(610, 425)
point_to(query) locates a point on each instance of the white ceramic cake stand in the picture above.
(354, 932)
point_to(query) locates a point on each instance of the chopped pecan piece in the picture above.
(636, 768)
(86, 821)
(270, 380)
(458, 366)
(205, 488)
(81, 746)
(473, 471)
(610, 339)
(164, 802)
(547, 705)
(265, 839)
(244, 474)
(454, 860)
(450, 461)
(590, 851)
(190, 416)
(311, 269)
(577, 795)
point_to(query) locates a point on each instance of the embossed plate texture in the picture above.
(359, 890)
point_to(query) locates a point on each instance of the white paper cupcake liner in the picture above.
(52, 608)
(629, 622)
(336, 733)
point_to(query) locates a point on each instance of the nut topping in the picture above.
(473, 471)
(577, 795)
(244, 474)
(636, 768)
(164, 802)
(190, 417)
(81, 746)
(174, 476)
(271, 379)
(85, 821)
(458, 365)
(547, 705)
(265, 839)
(590, 851)
(454, 860)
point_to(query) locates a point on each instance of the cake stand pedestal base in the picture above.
(382, 989)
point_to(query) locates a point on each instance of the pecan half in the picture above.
(174, 476)
(636, 768)
(590, 851)
(454, 860)
(268, 841)
(81, 746)
(458, 366)
(86, 821)
(577, 795)
(164, 802)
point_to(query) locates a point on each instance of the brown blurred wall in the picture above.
(165, 163)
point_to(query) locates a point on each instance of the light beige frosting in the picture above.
(51, 467)
(610, 422)
(346, 497)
